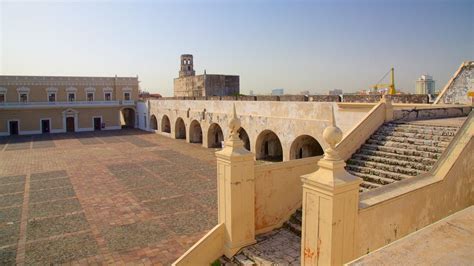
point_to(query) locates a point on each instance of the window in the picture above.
(126, 96)
(23, 97)
(51, 96)
(90, 96)
(108, 96)
(71, 97)
(2, 97)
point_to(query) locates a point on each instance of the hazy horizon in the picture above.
(295, 45)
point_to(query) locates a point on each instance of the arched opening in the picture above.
(127, 118)
(165, 124)
(244, 137)
(153, 122)
(180, 129)
(215, 136)
(268, 147)
(305, 146)
(195, 132)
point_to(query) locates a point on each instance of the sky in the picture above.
(296, 45)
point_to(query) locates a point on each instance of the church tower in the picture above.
(187, 67)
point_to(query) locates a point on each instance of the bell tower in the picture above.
(187, 66)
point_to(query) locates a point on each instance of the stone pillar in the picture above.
(330, 208)
(236, 191)
(388, 107)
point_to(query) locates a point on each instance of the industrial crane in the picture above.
(391, 86)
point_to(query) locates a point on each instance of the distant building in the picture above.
(425, 85)
(277, 91)
(335, 92)
(251, 93)
(188, 84)
(304, 93)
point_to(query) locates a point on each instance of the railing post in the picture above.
(388, 107)
(330, 208)
(236, 191)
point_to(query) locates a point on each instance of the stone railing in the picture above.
(278, 191)
(394, 211)
(349, 98)
(362, 131)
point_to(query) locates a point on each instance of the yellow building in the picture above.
(53, 104)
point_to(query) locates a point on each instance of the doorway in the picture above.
(97, 123)
(45, 127)
(70, 127)
(13, 127)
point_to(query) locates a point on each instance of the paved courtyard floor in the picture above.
(110, 197)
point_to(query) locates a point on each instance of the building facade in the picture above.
(188, 84)
(54, 104)
(425, 85)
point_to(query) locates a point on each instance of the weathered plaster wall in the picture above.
(287, 119)
(278, 191)
(457, 88)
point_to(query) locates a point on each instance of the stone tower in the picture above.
(187, 67)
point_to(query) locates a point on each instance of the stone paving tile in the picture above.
(12, 179)
(10, 214)
(191, 222)
(172, 205)
(9, 233)
(88, 139)
(51, 208)
(51, 226)
(51, 194)
(138, 234)
(50, 183)
(208, 199)
(61, 250)
(48, 175)
(43, 141)
(156, 192)
(12, 188)
(11, 200)
(8, 256)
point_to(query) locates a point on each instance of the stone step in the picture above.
(396, 150)
(373, 178)
(428, 162)
(369, 185)
(295, 222)
(406, 146)
(385, 130)
(417, 125)
(377, 172)
(387, 159)
(241, 259)
(413, 141)
(415, 136)
(386, 167)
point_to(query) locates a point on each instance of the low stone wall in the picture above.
(349, 98)
(417, 114)
(278, 191)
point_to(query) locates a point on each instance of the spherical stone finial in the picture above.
(332, 135)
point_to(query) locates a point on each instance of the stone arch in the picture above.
(180, 129)
(268, 147)
(214, 136)
(305, 146)
(165, 124)
(127, 117)
(195, 132)
(153, 122)
(244, 137)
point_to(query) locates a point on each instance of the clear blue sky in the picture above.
(296, 45)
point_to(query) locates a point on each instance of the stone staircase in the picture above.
(398, 151)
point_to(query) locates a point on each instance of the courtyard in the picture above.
(111, 197)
